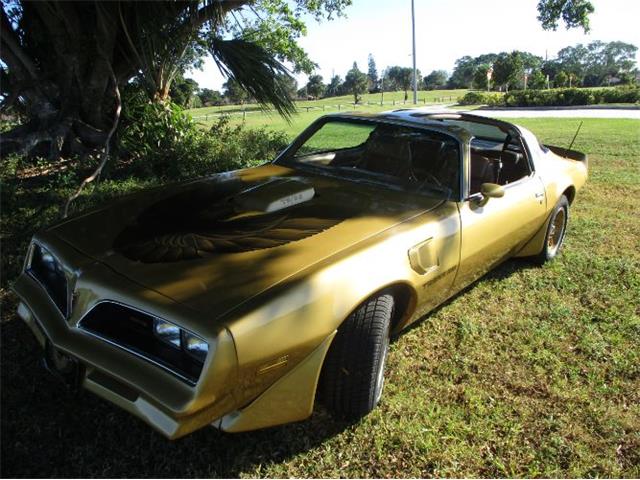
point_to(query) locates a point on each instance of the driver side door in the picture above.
(495, 230)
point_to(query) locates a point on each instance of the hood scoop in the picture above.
(275, 195)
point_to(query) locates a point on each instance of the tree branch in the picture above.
(105, 153)
(12, 45)
(214, 9)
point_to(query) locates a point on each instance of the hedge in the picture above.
(482, 98)
(555, 97)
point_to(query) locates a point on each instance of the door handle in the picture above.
(539, 195)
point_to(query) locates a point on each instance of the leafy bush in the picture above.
(156, 137)
(571, 97)
(160, 140)
(237, 147)
(554, 97)
(481, 98)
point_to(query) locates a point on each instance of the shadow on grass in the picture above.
(48, 432)
(224, 111)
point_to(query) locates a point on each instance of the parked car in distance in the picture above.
(238, 299)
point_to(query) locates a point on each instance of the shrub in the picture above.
(571, 97)
(238, 147)
(160, 140)
(156, 137)
(554, 97)
(481, 98)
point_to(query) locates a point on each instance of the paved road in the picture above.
(563, 112)
(568, 113)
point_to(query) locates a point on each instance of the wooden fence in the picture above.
(328, 107)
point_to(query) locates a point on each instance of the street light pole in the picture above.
(415, 76)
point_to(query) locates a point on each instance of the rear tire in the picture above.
(353, 374)
(556, 230)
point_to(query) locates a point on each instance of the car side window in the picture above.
(514, 164)
(502, 166)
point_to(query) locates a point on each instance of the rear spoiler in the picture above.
(566, 153)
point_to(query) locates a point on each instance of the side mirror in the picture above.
(490, 190)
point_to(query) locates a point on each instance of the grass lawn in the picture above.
(529, 372)
(310, 110)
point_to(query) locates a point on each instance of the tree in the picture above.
(573, 60)
(508, 69)
(436, 79)
(551, 68)
(465, 69)
(574, 13)
(335, 87)
(315, 87)
(290, 85)
(183, 91)
(210, 97)
(400, 78)
(530, 61)
(234, 92)
(561, 79)
(356, 82)
(610, 60)
(63, 63)
(537, 80)
(598, 62)
(372, 73)
(480, 80)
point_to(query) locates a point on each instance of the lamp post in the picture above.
(489, 75)
(527, 72)
(415, 76)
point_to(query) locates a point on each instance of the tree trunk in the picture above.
(66, 98)
(59, 57)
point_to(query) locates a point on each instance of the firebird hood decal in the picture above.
(207, 222)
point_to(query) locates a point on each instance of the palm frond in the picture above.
(256, 70)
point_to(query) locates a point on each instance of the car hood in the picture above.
(215, 243)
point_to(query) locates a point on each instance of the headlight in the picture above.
(45, 268)
(162, 342)
(186, 341)
(195, 346)
(167, 332)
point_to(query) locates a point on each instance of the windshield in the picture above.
(412, 159)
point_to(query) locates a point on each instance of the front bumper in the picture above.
(167, 404)
(160, 399)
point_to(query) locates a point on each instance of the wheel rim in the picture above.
(380, 375)
(556, 231)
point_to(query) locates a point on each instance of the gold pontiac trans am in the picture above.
(238, 299)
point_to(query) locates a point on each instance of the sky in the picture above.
(445, 31)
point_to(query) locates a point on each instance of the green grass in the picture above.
(530, 372)
(310, 110)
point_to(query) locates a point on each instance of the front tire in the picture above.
(556, 230)
(353, 374)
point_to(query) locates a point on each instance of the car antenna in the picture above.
(576, 135)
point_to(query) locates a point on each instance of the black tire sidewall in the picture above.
(350, 382)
